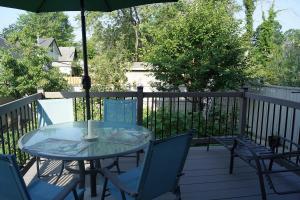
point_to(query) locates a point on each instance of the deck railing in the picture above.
(166, 114)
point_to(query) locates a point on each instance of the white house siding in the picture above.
(139, 75)
(64, 67)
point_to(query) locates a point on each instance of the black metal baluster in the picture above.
(252, 121)
(28, 117)
(152, 113)
(273, 119)
(185, 102)
(248, 117)
(100, 107)
(220, 114)
(75, 109)
(227, 113)
(163, 118)
(206, 117)
(285, 126)
(32, 116)
(262, 122)
(7, 133)
(147, 119)
(19, 154)
(22, 129)
(199, 116)
(293, 127)
(177, 120)
(170, 118)
(257, 118)
(83, 108)
(92, 107)
(35, 114)
(155, 117)
(2, 136)
(267, 124)
(233, 116)
(13, 133)
(192, 117)
(213, 116)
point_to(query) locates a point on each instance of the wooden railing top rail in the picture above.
(273, 100)
(58, 95)
(193, 94)
(53, 95)
(8, 107)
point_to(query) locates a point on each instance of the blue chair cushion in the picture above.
(40, 190)
(131, 178)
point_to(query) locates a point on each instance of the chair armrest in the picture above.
(67, 189)
(114, 180)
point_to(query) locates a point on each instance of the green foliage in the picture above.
(198, 47)
(267, 52)
(214, 120)
(24, 72)
(249, 10)
(44, 25)
(290, 63)
(112, 46)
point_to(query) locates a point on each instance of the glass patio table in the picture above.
(67, 141)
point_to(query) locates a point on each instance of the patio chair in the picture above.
(159, 174)
(53, 111)
(12, 185)
(121, 111)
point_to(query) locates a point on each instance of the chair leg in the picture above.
(38, 159)
(137, 158)
(208, 143)
(231, 162)
(60, 172)
(262, 186)
(177, 192)
(104, 189)
(271, 164)
(117, 165)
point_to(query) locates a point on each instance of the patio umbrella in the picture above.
(39, 6)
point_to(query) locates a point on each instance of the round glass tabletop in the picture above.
(70, 141)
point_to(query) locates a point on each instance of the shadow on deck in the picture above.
(207, 178)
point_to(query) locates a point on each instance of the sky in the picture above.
(288, 16)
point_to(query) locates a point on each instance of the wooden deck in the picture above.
(207, 178)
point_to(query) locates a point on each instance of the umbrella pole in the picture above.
(86, 84)
(86, 80)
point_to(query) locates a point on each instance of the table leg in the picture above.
(81, 176)
(93, 179)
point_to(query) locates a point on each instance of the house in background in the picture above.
(64, 58)
(139, 74)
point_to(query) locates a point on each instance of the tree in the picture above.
(268, 39)
(29, 26)
(198, 47)
(249, 10)
(114, 43)
(24, 72)
(291, 59)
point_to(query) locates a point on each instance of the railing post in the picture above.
(243, 112)
(140, 97)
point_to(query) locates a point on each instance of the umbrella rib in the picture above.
(107, 5)
(40, 6)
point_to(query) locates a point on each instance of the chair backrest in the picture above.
(12, 185)
(54, 111)
(121, 111)
(163, 163)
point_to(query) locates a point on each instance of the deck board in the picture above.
(206, 177)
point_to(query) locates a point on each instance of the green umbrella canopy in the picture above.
(75, 5)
